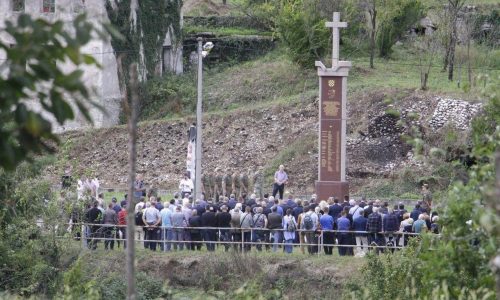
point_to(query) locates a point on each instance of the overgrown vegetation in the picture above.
(32, 218)
(457, 263)
(169, 96)
(222, 275)
(143, 32)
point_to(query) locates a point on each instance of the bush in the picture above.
(168, 95)
(456, 264)
(303, 31)
(396, 19)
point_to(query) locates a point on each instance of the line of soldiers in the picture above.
(219, 184)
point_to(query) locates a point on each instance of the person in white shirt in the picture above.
(186, 185)
(95, 186)
(355, 209)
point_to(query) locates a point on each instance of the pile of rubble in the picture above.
(459, 113)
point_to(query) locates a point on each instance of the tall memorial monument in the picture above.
(332, 121)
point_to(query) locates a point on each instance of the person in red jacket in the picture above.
(122, 226)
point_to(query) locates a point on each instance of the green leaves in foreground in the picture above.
(34, 85)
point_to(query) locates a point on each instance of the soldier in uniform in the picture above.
(211, 185)
(217, 184)
(426, 196)
(258, 180)
(226, 185)
(235, 185)
(243, 183)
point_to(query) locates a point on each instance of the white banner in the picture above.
(191, 152)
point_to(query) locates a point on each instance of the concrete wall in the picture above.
(103, 82)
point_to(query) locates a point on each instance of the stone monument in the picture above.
(332, 121)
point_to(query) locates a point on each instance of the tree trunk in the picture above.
(495, 262)
(373, 14)
(446, 55)
(132, 131)
(469, 68)
(423, 81)
(453, 43)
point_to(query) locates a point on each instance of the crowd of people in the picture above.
(352, 226)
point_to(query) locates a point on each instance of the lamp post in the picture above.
(203, 51)
(197, 178)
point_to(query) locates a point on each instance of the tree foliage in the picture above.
(456, 264)
(33, 69)
(303, 31)
(395, 19)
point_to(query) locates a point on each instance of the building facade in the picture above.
(103, 82)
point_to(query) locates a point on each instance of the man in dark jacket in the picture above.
(93, 216)
(359, 225)
(335, 210)
(290, 203)
(390, 225)
(415, 212)
(374, 227)
(274, 222)
(195, 221)
(298, 209)
(208, 219)
(369, 208)
(223, 219)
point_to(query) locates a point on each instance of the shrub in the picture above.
(303, 31)
(396, 19)
(168, 95)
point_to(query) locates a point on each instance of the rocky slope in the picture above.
(259, 138)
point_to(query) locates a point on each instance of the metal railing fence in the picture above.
(242, 238)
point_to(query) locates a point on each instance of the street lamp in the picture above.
(202, 52)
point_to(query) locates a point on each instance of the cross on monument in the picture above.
(335, 25)
(333, 120)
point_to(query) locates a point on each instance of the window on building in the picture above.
(49, 6)
(78, 6)
(18, 5)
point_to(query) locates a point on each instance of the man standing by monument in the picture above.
(333, 121)
(280, 179)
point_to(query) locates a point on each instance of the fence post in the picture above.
(242, 240)
(320, 238)
(83, 235)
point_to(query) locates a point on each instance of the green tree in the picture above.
(461, 263)
(394, 20)
(33, 70)
(303, 31)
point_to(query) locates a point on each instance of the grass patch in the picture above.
(402, 72)
(225, 31)
(266, 79)
(302, 146)
(274, 79)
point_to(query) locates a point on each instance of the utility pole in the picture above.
(197, 179)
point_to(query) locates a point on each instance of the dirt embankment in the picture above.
(229, 274)
(254, 141)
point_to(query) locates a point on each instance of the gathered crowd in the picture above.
(352, 226)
